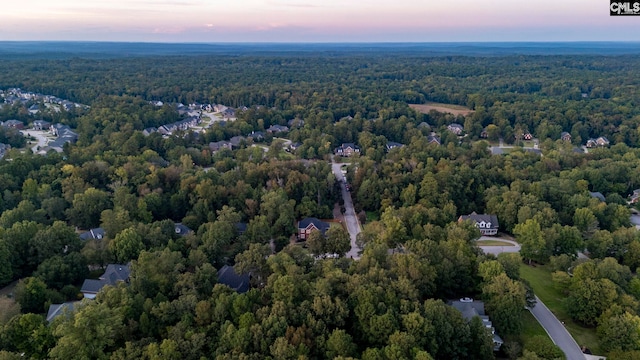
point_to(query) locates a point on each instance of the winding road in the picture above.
(350, 218)
(554, 328)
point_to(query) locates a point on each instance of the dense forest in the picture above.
(391, 303)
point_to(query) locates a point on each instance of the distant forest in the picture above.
(417, 256)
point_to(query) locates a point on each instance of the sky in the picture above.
(314, 21)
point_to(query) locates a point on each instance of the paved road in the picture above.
(556, 330)
(350, 218)
(39, 135)
(495, 250)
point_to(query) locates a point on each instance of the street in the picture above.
(556, 330)
(350, 218)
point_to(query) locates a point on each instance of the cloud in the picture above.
(291, 4)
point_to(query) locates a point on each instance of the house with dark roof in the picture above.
(274, 129)
(238, 282)
(56, 310)
(307, 225)
(241, 228)
(393, 145)
(15, 124)
(597, 142)
(41, 125)
(469, 309)
(256, 136)
(150, 130)
(487, 224)
(114, 274)
(455, 128)
(182, 229)
(297, 122)
(220, 145)
(565, 136)
(347, 149)
(633, 198)
(236, 141)
(93, 234)
(293, 146)
(433, 139)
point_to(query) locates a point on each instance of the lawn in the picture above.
(530, 326)
(540, 279)
(493, 243)
(372, 216)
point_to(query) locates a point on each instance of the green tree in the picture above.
(337, 241)
(127, 245)
(505, 299)
(90, 334)
(6, 271)
(31, 294)
(529, 235)
(543, 347)
(619, 332)
(86, 208)
(340, 343)
(589, 298)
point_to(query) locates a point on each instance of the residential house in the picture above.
(219, 145)
(455, 128)
(15, 124)
(469, 309)
(150, 130)
(275, 129)
(236, 141)
(424, 125)
(93, 234)
(347, 149)
(598, 142)
(487, 224)
(241, 228)
(565, 136)
(310, 224)
(393, 145)
(58, 309)
(41, 125)
(256, 136)
(228, 113)
(484, 134)
(34, 109)
(182, 229)
(527, 136)
(114, 274)
(433, 139)
(634, 198)
(293, 146)
(239, 282)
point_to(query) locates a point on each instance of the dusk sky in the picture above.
(314, 20)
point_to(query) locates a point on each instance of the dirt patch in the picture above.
(444, 108)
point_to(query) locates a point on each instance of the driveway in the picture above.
(497, 249)
(350, 218)
(39, 135)
(556, 330)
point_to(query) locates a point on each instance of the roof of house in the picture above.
(57, 309)
(455, 126)
(111, 276)
(241, 227)
(319, 224)
(182, 229)
(482, 217)
(391, 145)
(97, 233)
(564, 133)
(238, 282)
(349, 145)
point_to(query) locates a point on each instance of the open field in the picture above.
(540, 279)
(445, 108)
(493, 243)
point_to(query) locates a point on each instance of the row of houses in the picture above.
(17, 95)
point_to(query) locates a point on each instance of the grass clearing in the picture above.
(530, 326)
(540, 279)
(493, 243)
(440, 107)
(372, 216)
